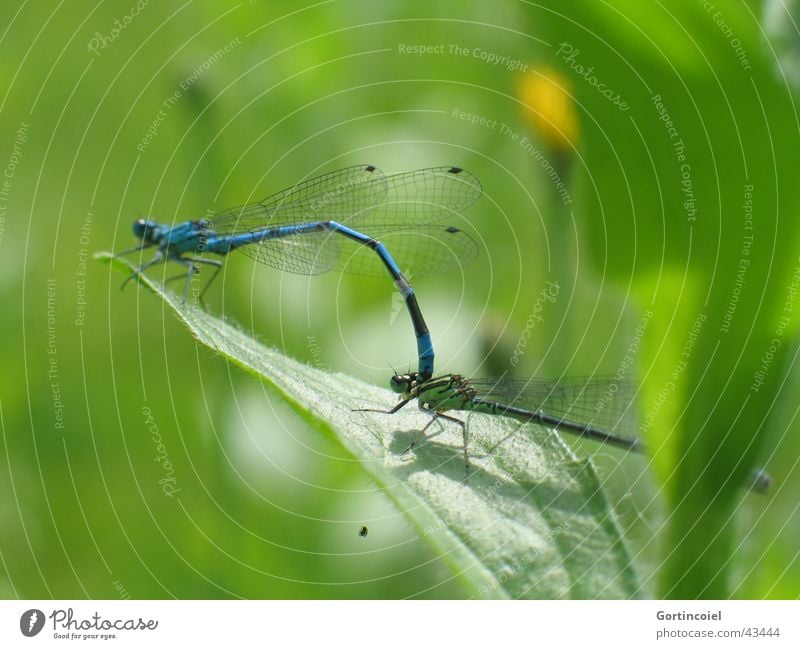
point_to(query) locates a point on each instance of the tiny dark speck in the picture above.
(454, 170)
(363, 531)
(452, 229)
(370, 168)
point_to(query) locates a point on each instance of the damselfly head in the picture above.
(144, 229)
(401, 383)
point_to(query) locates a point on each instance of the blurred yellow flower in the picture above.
(549, 107)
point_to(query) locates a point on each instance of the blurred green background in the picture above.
(678, 154)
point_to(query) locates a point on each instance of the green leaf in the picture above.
(531, 521)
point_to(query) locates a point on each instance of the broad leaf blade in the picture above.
(530, 522)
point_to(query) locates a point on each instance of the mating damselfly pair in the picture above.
(339, 220)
